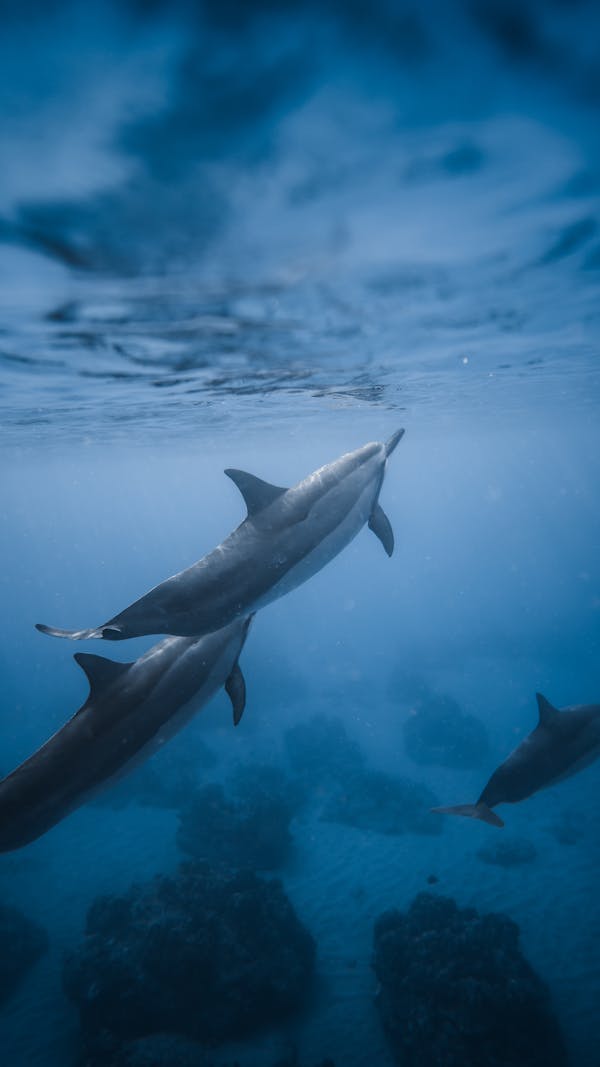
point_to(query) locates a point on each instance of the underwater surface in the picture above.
(259, 236)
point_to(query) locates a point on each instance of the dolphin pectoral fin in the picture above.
(381, 527)
(472, 811)
(101, 672)
(256, 493)
(393, 441)
(235, 687)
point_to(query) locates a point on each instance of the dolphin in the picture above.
(131, 710)
(564, 741)
(287, 536)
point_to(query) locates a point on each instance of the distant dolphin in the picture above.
(563, 743)
(131, 710)
(287, 536)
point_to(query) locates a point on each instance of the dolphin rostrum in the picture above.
(564, 742)
(131, 710)
(287, 536)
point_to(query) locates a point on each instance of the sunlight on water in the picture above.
(329, 242)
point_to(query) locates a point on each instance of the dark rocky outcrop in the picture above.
(246, 824)
(320, 751)
(437, 731)
(456, 990)
(507, 852)
(569, 827)
(157, 1050)
(169, 1050)
(209, 954)
(22, 942)
(376, 801)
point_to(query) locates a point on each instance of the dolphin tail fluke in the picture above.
(109, 633)
(473, 811)
(393, 441)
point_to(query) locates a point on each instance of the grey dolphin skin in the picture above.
(131, 710)
(564, 742)
(287, 536)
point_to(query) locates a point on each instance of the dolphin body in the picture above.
(131, 710)
(287, 536)
(564, 742)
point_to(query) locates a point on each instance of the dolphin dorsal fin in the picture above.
(256, 493)
(101, 672)
(546, 710)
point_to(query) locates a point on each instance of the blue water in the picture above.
(259, 237)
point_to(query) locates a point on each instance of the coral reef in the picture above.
(320, 751)
(265, 779)
(331, 768)
(507, 852)
(209, 954)
(569, 827)
(22, 942)
(157, 1050)
(387, 805)
(455, 990)
(167, 1050)
(245, 825)
(437, 731)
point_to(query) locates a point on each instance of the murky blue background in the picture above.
(259, 236)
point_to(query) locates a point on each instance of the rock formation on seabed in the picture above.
(456, 991)
(388, 805)
(22, 942)
(245, 825)
(213, 955)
